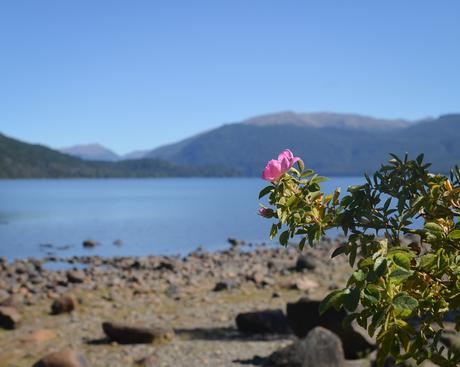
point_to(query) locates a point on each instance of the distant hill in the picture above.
(23, 160)
(91, 152)
(137, 154)
(332, 144)
(327, 119)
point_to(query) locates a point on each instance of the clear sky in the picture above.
(137, 74)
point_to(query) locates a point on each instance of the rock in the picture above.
(39, 336)
(225, 285)
(451, 339)
(173, 291)
(321, 348)
(263, 322)
(89, 243)
(132, 334)
(10, 318)
(63, 304)
(305, 262)
(63, 358)
(303, 316)
(150, 361)
(11, 301)
(76, 276)
(235, 243)
(305, 284)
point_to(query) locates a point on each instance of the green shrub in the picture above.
(400, 293)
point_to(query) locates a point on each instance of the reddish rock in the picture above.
(63, 358)
(39, 336)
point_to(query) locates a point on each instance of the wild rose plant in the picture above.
(399, 292)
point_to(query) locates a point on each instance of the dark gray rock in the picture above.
(303, 316)
(75, 276)
(133, 334)
(89, 243)
(226, 285)
(305, 262)
(10, 318)
(263, 322)
(321, 348)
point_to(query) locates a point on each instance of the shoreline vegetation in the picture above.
(244, 305)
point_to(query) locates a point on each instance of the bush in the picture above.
(400, 293)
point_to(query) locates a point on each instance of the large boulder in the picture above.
(263, 322)
(303, 316)
(321, 348)
(10, 318)
(64, 304)
(133, 334)
(63, 358)
(305, 262)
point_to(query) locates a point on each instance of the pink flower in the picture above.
(266, 213)
(276, 168)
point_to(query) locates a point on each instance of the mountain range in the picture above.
(330, 143)
(333, 144)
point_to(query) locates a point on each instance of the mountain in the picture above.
(137, 154)
(327, 119)
(332, 144)
(23, 160)
(91, 152)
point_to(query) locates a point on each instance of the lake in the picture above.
(150, 216)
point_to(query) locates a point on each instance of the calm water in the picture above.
(150, 216)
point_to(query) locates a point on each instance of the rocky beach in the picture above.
(248, 305)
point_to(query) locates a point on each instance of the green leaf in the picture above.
(265, 191)
(380, 266)
(454, 235)
(404, 305)
(284, 237)
(273, 231)
(434, 227)
(399, 275)
(372, 293)
(339, 250)
(332, 299)
(403, 260)
(351, 300)
(359, 275)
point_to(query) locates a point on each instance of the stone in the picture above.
(321, 348)
(305, 284)
(39, 336)
(133, 334)
(64, 304)
(76, 276)
(305, 262)
(63, 358)
(150, 361)
(263, 322)
(10, 318)
(235, 242)
(303, 316)
(451, 339)
(225, 285)
(89, 243)
(172, 291)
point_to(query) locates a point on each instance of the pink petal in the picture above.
(285, 154)
(272, 171)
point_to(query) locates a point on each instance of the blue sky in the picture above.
(139, 74)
